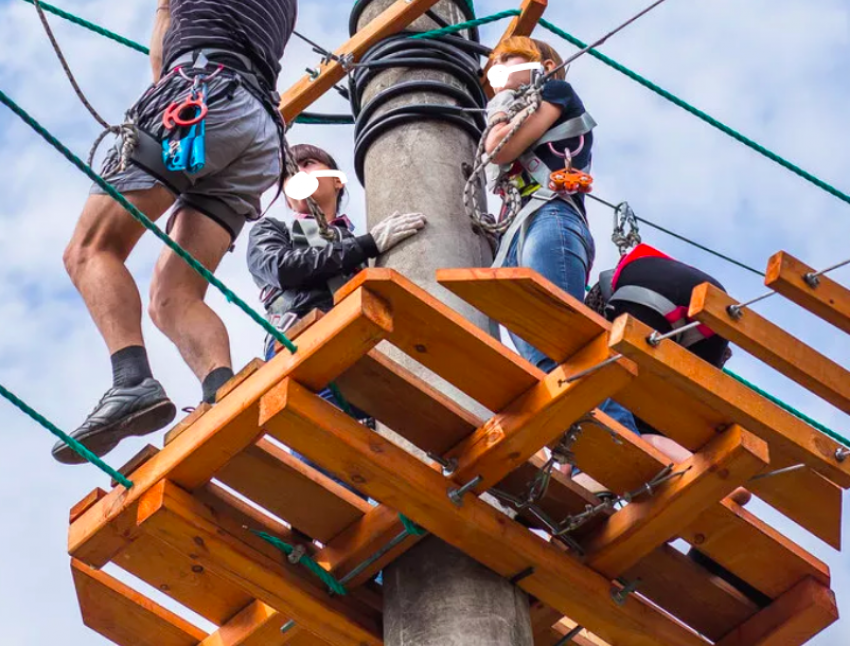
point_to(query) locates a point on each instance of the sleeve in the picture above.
(274, 261)
(562, 94)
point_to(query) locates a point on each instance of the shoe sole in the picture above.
(103, 440)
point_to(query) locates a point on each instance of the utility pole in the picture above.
(434, 595)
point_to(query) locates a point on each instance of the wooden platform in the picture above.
(185, 526)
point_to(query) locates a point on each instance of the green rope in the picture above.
(469, 24)
(144, 221)
(700, 114)
(334, 586)
(92, 27)
(78, 448)
(324, 120)
(412, 528)
(340, 399)
(790, 409)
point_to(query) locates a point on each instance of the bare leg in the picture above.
(103, 239)
(177, 304)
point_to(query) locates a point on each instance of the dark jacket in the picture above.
(284, 266)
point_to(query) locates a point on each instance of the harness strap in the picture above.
(573, 128)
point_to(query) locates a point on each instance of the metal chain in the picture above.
(624, 217)
(528, 103)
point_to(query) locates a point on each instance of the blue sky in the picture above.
(776, 70)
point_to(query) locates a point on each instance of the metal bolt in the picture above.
(456, 495)
(812, 280)
(297, 554)
(620, 595)
(449, 465)
(289, 625)
(842, 454)
(735, 312)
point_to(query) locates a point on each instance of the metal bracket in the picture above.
(620, 595)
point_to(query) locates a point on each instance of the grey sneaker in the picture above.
(121, 413)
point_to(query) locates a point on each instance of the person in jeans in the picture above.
(228, 51)
(297, 270)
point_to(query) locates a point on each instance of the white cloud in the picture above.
(774, 70)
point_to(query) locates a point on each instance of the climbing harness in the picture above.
(183, 146)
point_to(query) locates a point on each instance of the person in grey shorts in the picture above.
(231, 49)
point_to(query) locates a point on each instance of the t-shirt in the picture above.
(258, 29)
(562, 94)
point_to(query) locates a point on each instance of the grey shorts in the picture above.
(243, 154)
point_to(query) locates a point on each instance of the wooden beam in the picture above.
(645, 524)
(520, 299)
(308, 89)
(327, 349)
(387, 473)
(773, 345)
(829, 300)
(285, 486)
(86, 503)
(175, 517)
(257, 625)
(124, 616)
(792, 620)
(623, 462)
(446, 343)
(788, 434)
(543, 414)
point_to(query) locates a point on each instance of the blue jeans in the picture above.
(558, 246)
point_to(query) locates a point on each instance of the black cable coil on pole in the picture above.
(460, 57)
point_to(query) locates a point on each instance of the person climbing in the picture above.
(550, 233)
(206, 139)
(297, 270)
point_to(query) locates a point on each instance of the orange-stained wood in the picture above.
(317, 430)
(124, 616)
(709, 476)
(256, 625)
(327, 349)
(540, 416)
(86, 503)
(445, 342)
(792, 620)
(175, 431)
(175, 517)
(624, 462)
(529, 306)
(308, 90)
(773, 345)
(829, 300)
(784, 432)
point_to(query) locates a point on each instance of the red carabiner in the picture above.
(177, 114)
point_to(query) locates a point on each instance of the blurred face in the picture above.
(517, 79)
(326, 194)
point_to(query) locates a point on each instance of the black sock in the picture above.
(130, 367)
(215, 380)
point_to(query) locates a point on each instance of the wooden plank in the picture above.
(313, 427)
(522, 25)
(126, 617)
(704, 602)
(788, 434)
(326, 350)
(178, 429)
(172, 515)
(829, 300)
(539, 416)
(773, 345)
(239, 378)
(521, 300)
(443, 341)
(406, 403)
(308, 89)
(624, 462)
(282, 484)
(792, 620)
(85, 504)
(725, 534)
(709, 476)
(175, 574)
(135, 462)
(256, 625)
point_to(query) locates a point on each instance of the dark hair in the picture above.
(595, 300)
(303, 152)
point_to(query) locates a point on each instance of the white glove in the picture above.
(397, 227)
(502, 102)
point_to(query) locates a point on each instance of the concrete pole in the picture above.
(434, 595)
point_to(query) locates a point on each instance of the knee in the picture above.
(164, 307)
(74, 258)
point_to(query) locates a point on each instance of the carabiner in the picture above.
(192, 111)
